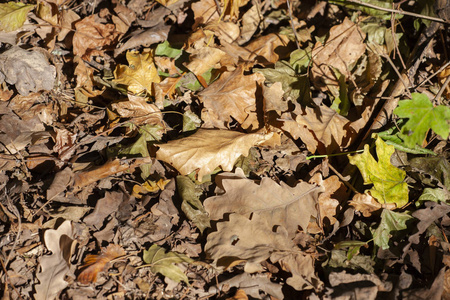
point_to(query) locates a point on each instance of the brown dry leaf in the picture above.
(442, 77)
(84, 75)
(138, 108)
(301, 266)
(243, 239)
(233, 96)
(92, 38)
(225, 31)
(205, 11)
(93, 264)
(203, 59)
(141, 73)
(283, 205)
(68, 18)
(144, 38)
(231, 7)
(206, 150)
(54, 267)
(366, 204)
(82, 179)
(327, 126)
(341, 51)
(240, 295)
(327, 204)
(267, 47)
(104, 207)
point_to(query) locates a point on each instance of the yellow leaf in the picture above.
(13, 15)
(140, 75)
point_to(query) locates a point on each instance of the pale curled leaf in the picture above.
(206, 150)
(93, 264)
(164, 263)
(54, 267)
(283, 205)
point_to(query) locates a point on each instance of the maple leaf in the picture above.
(164, 263)
(391, 222)
(13, 15)
(280, 204)
(233, 96)
(141, 73)
(93, 264)
(422, 117)
(206, 150)
(388, 181)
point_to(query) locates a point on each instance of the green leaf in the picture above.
(191, 205)
(422, 117)
(341, 103)
(437, 195)
(391, 222)
(300, 59)
(164, 49)
(368, 10)
(191, 121)
(13, 15)
(164, 263)
(389, 186)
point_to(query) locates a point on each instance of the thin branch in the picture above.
(398, 11)
(443, 87)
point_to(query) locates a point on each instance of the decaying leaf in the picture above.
(388, 181)
(54, 267)
(29, 71)
(366, 204)
(279, 204)
(341, 51)
(191, 205)
(233, 96)
(94, 264)
(91, 37)
(164, 262)
(206, 150)
(141, 73)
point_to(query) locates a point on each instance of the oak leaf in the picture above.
(54, 267)
(93, 264)
(233, 96)
(141, 73)
(279, 204)
(366, 204)
(206, 150)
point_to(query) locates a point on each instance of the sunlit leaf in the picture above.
(13, 15)
(388, 181)
(391, 222)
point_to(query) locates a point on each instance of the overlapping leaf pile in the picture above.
(223, 149)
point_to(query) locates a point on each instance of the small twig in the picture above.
(292, 24)
(398, 11)
(400, 77)
(434, 74)
(343, 179)
(443, 87)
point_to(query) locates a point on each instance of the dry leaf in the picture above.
(366, 204)
(203, 59)
(29, 71)
(144, 38)
(54, 267)
(205, 11)
(141, 73)
(93, 264)
(139, 109)
(206, 150)
(344, 46)
(92, 38)
(283, 205)
(327, 204)
(327, 126)
(233, 96)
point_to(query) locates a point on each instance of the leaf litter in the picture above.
(223, 150)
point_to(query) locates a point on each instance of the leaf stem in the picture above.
(336, 154)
